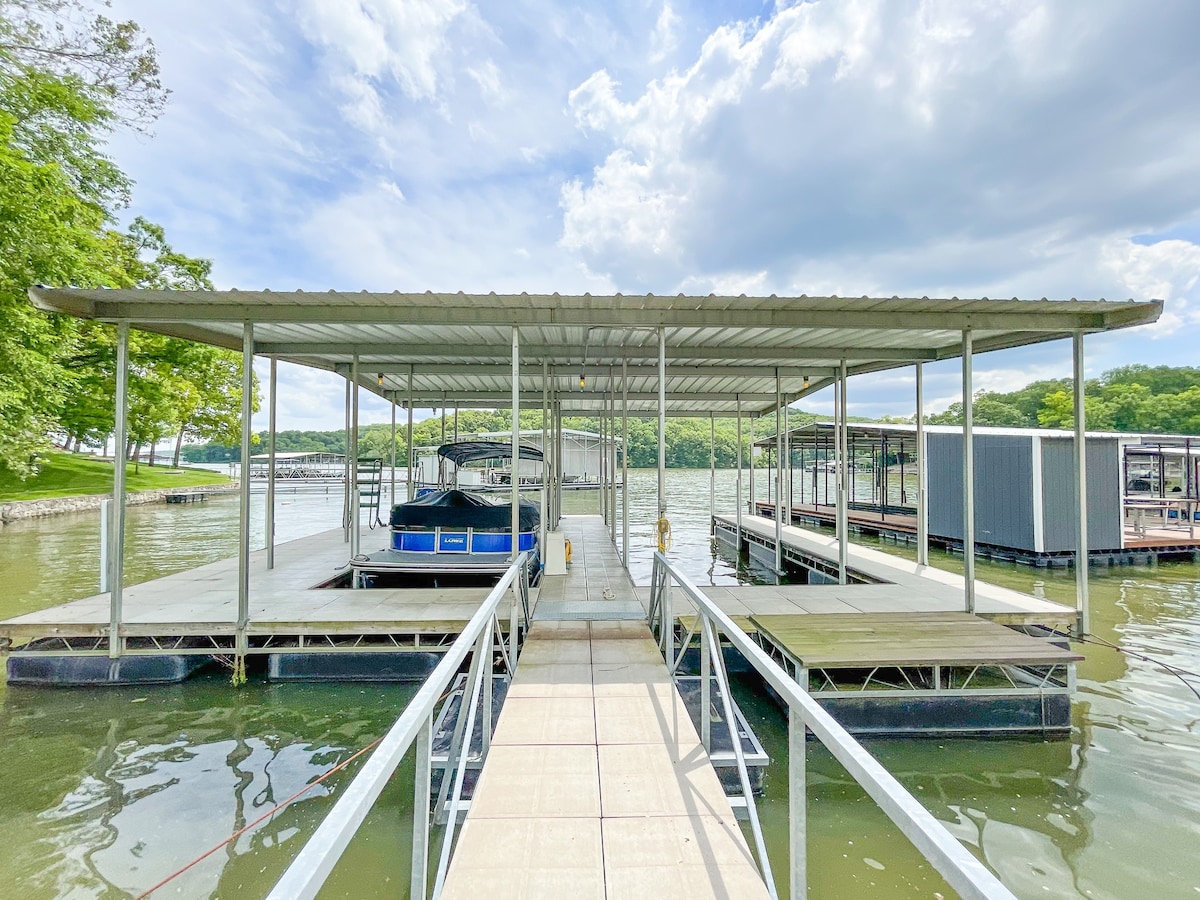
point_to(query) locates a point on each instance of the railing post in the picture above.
(668, 619)
(705, 685)
(797, 805)
(419, 882)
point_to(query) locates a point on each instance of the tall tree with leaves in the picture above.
(68, 76)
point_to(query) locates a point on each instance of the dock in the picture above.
(1141, 543)
(596, 783)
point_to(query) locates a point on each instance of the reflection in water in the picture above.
(108, 791)
(115, 789)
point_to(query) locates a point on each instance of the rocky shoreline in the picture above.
(18, 510)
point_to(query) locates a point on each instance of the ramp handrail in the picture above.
(308, 871)
(962, 871)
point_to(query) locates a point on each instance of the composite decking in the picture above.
(596, 784)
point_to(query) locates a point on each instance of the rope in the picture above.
(233, 837)
(664, 534)
(1166, 667)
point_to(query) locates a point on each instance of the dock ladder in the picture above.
(370, 488)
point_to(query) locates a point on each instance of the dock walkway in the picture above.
(893, 584)
(596, 784)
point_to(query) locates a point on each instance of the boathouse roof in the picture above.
(722, 352)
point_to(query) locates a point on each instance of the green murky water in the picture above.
(109, 790)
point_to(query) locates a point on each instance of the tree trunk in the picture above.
(178, 447)
(137, 457)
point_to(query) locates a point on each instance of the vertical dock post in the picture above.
(545, 479)
(968, 472)
(750, 473)
(843, 466)
(270, 517)
(778, 477)
(625, 462)
(712, 475)
(922, 474)
(352, 451)
(243, 618)
(116, 533)
(738, 490)
(410, 488)
(392, 495)
(516, 447)
(612, 454)
(346, 467)
(1081, 523)
(797, 805)
(662, 422)
(419, 880)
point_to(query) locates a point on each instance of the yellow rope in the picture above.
(664, 534)
(239, 671)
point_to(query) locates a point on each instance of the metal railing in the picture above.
(308, 871)
(962, 871)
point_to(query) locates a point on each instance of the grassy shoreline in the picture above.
(77, 475)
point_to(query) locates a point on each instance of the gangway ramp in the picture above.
(596, 784)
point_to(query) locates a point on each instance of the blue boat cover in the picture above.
(459, 509)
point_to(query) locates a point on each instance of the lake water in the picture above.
(109, 790)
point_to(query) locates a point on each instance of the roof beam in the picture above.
(219, 308)
(483, 370)
(394, 351)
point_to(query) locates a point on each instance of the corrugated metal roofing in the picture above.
(721, 351)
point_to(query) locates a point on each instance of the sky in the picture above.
(1001, 148)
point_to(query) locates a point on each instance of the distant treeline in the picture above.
(1162, 399)
(1131, 398)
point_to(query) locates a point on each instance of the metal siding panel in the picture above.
(1004, 491)
(945, 485)
(1103, 487)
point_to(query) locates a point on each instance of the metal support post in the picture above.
(797, 804)
(392, 496)
(612, 456)
(750, 472)
(922, 474)
(1081, 521)
(106, 506)
(625, 463)
(706, 688)
(778, 477)
(843, 467)
(271, 464)
(243, 618)
(516, 443)
(410, 487)
(116, 532)
(355, 497)
(738, 490)
(419, 881)
(712, 475)
(545, 479)
(346, 469)
(968, 403)
(662, 422)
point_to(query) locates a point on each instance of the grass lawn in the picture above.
(71, 475)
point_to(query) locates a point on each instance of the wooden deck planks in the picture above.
(866, 640)
(636, 811)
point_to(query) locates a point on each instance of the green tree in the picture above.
(67, 78)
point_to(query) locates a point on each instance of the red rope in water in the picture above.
(266, 815)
